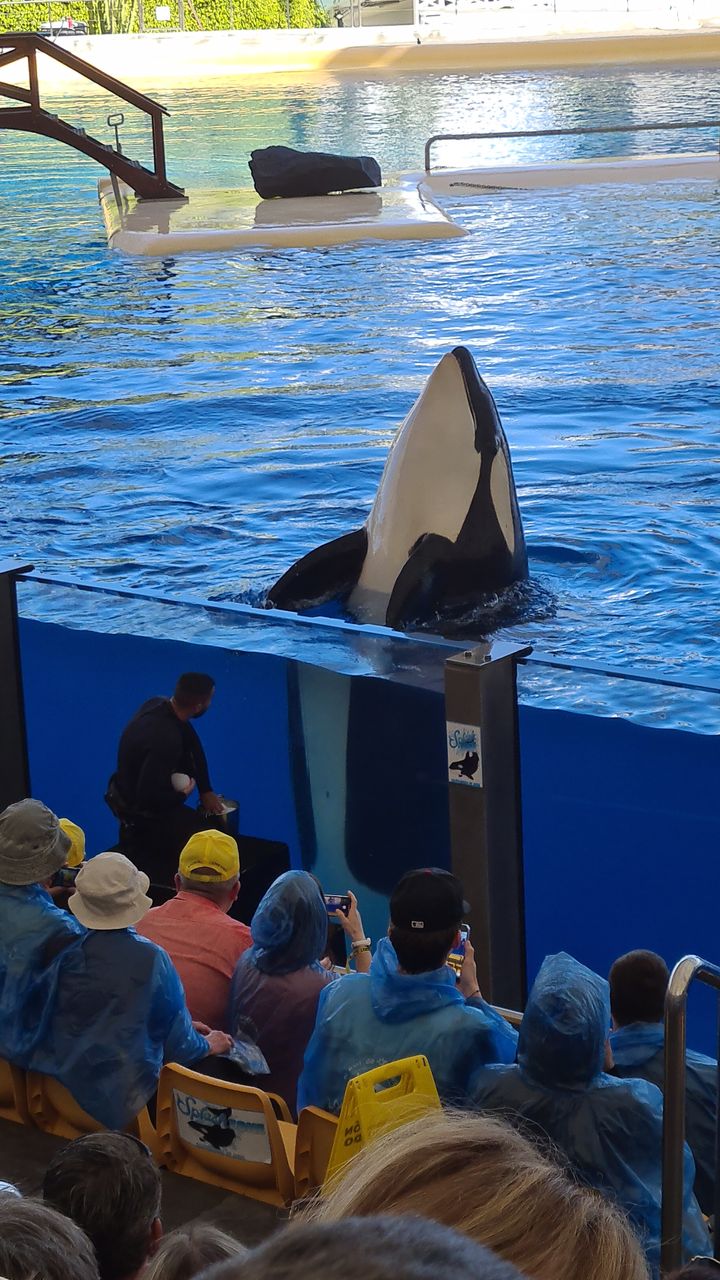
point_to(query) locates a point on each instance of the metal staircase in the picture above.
(148, 184)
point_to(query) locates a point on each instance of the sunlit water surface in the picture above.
(193, 425)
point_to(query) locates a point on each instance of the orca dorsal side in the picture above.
(445, 525)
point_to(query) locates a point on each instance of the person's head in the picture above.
(37, 1243)
(109, 1184)
(33, 845)
(697, 1269)
(380, 1248)
(193, 694)
(289, 928)
(565, 1026)
(185, 1252)
(638, 983)
(427, 908)
(210, 866)
(110, 893)
(477, 1174)
(76, 836)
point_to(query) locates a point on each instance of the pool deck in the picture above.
(502, 40)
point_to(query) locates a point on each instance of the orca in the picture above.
(445, 526)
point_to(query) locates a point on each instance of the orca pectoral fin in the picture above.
(419, 585)
(327, 573)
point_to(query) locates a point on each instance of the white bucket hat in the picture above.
(110, 893)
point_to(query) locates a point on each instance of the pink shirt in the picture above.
(204, 944)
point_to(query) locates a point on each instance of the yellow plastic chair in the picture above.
(54, 1110)
(383, 1099)
(225, 1134)
(13, 1094)
(315, 1136)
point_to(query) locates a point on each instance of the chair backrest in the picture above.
(13, 1093)
(315, 1136)
(54, 1110)
(378, 1100)
(224, 1134)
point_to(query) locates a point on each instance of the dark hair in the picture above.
(185, 1252)
(380, 1248)
(421, 952)
(697, 1269)
(638, 982)
(109, 1184)
(193, 687)
(37, 1241)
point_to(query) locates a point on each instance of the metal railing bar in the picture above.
(576, 130)
(628, 673)
(688, 970)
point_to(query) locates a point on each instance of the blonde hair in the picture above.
(187, 1251)
(477, 1174)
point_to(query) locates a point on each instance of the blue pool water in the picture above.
(193, 425)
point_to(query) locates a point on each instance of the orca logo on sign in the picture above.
(464, 763)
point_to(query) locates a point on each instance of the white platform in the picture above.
(574, 173)
(407, 210)
(221, 220)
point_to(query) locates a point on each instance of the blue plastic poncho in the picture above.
(33, 932)
(366, 1020)
(610, 1129)
(290, 927)
(638, 1051)
(119, 1014)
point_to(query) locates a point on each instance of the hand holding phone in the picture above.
(335, 902)
(457, 955)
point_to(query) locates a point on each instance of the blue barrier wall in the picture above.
(621, 823)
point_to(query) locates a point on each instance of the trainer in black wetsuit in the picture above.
(158, 742)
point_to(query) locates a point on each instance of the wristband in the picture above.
(361, 944)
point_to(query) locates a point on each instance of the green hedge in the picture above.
(104, 16)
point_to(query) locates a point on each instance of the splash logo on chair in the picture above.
(225, 1131)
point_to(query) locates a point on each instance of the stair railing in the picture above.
(18, 45)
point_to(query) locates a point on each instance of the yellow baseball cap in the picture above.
(210, 851)
(76, 836)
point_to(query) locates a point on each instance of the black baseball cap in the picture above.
(428, 899)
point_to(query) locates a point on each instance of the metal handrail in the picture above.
(688, 970)
(561, 133)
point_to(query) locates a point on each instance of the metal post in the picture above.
(15, 772)
(181, 17)
(141, 16)
(158, 142)
(33, 80)
(485, 815)
(716, 1171)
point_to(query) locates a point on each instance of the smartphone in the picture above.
(64, 878)
(457, 955)
(337, 902)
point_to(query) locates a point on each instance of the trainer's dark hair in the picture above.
(421, 952)
(638, 982)
(380, 1248)
(35, 1241)
(193, 687)
(109, 1184)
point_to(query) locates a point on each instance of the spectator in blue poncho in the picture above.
(638, 982)
(119, 1010)
(277, 983)
(610, 1130)
(33, 931)
(409, 1003)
